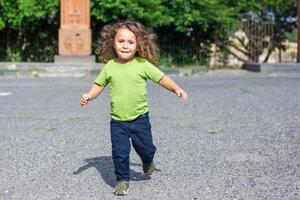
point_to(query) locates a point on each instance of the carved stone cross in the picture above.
(75, 33)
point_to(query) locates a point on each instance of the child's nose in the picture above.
(125, 45)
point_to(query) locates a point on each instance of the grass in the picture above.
(2, 70)
(46, 129)
(214, 132)
(194, 127)
(33, 71)
(30, 118)
(245, 90)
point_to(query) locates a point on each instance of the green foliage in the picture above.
(24, 24)
(200, 15)
(18, 13)
(29, 28)
(156, 13)
(292, 36)
(182, 25)
(151, 12)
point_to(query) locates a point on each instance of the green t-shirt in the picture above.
(128, 86)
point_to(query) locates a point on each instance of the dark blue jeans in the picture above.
(139, 131)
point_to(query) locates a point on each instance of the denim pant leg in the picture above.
(120, 149)
(141, 138)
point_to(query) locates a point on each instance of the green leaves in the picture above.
(182, 14)
(17, 13)
(21, 22)
(156, 13)
(195, 21)
(152, 12)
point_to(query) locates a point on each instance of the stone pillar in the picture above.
(75, 35)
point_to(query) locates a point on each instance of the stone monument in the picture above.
(75, 35)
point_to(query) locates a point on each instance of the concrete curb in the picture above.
(18, 70)
(272, 67)
(46, 69)
(24, 69)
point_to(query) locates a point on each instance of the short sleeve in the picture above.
(152, 72)
(102, 78)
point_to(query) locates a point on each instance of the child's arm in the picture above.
(92, 94)
(169, 84)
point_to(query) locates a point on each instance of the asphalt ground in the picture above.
(237, 137)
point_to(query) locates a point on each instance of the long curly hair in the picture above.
(146, 41)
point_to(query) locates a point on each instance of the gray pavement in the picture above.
(236, 138)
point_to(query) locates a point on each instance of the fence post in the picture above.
(298, 31)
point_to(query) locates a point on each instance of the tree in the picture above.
(151, 12)
(20, 20)
(197, 23)
(194, 27)
(191, 22)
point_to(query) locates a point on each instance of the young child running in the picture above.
(129, 52)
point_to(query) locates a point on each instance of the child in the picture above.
(130, 53)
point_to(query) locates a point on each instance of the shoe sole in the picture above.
(120, 194)
(150, 171)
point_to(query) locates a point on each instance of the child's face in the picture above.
(125, 45)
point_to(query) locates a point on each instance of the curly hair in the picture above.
(146, 41)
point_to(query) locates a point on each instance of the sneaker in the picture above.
(121, 189)
(148, 168)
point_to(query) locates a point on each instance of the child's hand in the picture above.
(85, 99)
(181, 93)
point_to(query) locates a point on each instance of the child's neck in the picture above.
(121, 61)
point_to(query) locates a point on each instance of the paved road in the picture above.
(236, 138)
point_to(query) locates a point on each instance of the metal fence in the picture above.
(40, 45)
(253, 41)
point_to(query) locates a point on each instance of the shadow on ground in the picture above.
(104, 165)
